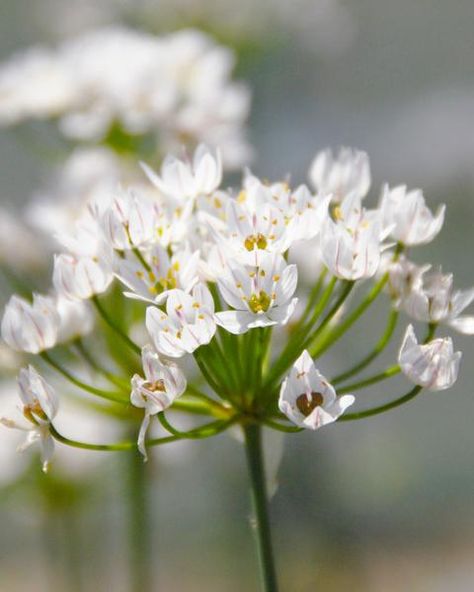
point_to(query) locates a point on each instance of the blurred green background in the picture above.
(376, 506)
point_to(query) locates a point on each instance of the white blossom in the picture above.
(308, 399)
(80, 278)
(410, 220)
(261, 295)
(164, 382)
(187, 324)
(345, 175)
(181, 180)
(31, 328)
(433, 365)
(40, 406)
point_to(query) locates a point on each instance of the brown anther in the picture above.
(307, 406)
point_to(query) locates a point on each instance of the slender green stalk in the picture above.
(109, 395)
(313, 297)
(388, 373)
(382, 408)
(255, 463)
(114, 326)
(139, 523)
(317, 349)
(381, 345)
(88, 358)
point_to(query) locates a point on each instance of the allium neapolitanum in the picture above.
(210, 275)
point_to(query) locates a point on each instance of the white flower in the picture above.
(183, 180)
(433, 300)
(410, 220)
(187, 324)
(76, 319)
(163, 384)
(40, 405)
(351, 243)
(29, 327)
(80, 278)
(307, 398)
(434, 365)
(164, 273)
(404, 276)
(129, 221)
(261, 295)
(347, 174)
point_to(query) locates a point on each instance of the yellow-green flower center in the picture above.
(255, 240)
(259, 302)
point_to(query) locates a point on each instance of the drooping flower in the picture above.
(410, 220)
(308, 399)
(346, 174)
(31, 328)
(182, 180)
(164, 382)
(433, 365)
(40, 406)
(187, 324)
(261, 295)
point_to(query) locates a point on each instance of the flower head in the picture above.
(433, 365)
(308, 399)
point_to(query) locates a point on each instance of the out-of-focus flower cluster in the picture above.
(117, 81)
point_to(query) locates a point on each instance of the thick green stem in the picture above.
(139, 525)
(253, 447)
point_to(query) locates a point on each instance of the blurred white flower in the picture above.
(308, 399)
(31, 328)
(409, 218)
(433, 365)
(40, 405)
(345, 175)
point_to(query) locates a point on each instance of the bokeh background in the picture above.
(378, 506)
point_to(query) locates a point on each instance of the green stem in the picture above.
(317, 349)
(139, 526)
(382, 408)
(388, 373)
(255, 463)
(381, 345)
(109, 321)
(116, 380)
(109, 395)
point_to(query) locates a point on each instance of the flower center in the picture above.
(259, 302)
(307, 405)
(255, 240)
(157, 386)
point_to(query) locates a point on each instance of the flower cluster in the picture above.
(118, 82)
(209, 274)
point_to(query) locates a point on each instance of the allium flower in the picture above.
(164, 382)
(404, 276)
(410, 220)
(308, 399)
(31, 328)
(76, 319)
(164, 273)
(80, 278)
(434, 365)
(187, 324)
(433, 300)
(351, 243)
(261, 294)
(344, 175)
(182, 180)
(40, 405)
(129, 221)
